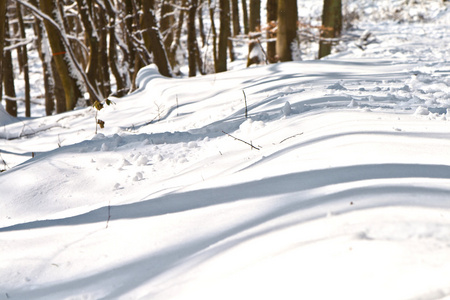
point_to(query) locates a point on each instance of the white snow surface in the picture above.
(336, 185)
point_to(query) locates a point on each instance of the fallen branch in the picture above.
(241, 140)
(9, 98)
(291, 137)
(23, 133)
(264, 52)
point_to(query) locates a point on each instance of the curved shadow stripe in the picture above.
(273, 186)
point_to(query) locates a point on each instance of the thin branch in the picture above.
(245, 99)
(241, 140)
(291, 137)
(9, 98)
(263, 51)
(91, 89)
(19, 44)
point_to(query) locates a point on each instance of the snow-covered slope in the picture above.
(336, 185)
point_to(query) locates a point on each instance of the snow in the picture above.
(336, 186)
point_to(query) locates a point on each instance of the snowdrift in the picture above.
(335, 185)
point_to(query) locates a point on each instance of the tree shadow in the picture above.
(133, 274)
(268, 187)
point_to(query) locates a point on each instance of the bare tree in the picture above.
(192, 38)
(331, 25)
(24, 56)
(131, 19)
(272, 16)
(113, 57)
(287, 28)
(45, 57)
(212, 9)
(223, 35)
(235, 14)
(86, 12)
(153, 40)
(255, 31)
(201, 25)
(60, 55)
(8, 77)
(245, 16)
(167, 27)
(104, 80)
(2, 40)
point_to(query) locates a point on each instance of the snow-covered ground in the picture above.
(336, 185)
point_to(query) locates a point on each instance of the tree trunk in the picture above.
(8, 77)
(121, 88)
(60, 94)
(245, 16)
(192, 38)
(26, 73)
(166, 24)
(235, 13)
(224, 35)
(3, 25)
(255, 31)
(104, 80)
(201, 25)
(331, 25)
(200, 64)
(176, 39)
(71, 89)
(255, 16)
(130, 54)
(92, 41)
(214, 35)
(153, 39)
(231, 53)
(287, 28)
(272, 16)
(46, 64)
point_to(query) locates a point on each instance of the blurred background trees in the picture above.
(89, 50)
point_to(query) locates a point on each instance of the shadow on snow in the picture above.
(135, 273)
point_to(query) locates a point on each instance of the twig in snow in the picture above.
(23, 130)
(109, 214)
(291, 137)
(241, 140)
(264, 52)
(245, 99)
